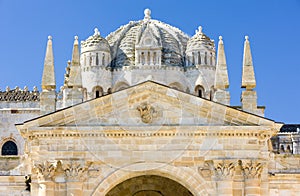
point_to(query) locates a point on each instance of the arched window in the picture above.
(97, 94)
(288, 149)
(90, 59)
(193, 59)
(199, 91)
(97, 91)
(142, 58)
(154, 58)
(97, 59)
(103, 59)
(9, 148)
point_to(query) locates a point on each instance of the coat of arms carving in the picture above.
(146, 112)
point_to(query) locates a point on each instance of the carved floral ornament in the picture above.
(70, 170)
(226, 169)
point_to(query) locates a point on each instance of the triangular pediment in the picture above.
(148, 104)
(148, 39)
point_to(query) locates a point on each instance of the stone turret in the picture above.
(200, 54)
(95, 65)
(48, 94)
(221, 84)
(200, 50)
(72, 93)
(249, 96)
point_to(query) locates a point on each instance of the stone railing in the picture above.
(18, 94)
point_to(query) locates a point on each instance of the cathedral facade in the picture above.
(144, 111)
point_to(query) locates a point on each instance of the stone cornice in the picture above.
(261, 133)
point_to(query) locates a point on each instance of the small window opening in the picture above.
(97, 94)
(97, 59)
(200, 93)
(9, 148)
(288, 149)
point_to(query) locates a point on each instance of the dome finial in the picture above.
(199, 30)
(96, 31)
(147, 13)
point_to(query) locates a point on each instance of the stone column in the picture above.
(46, 188)
(196, 58)
(222, 174)
(252, 178)
(42, 183)
(75, 188)
(238, 179)
(76, 173)
(151, 58)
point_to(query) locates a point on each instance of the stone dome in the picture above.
(200, 41)
(95, 43)
(123, 41)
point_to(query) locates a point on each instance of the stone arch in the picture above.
(9, 147)
(97, 91)
(187, 177)
(149, 185)
(120, 86)
(200, 91)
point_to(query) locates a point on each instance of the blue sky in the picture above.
(272, 25)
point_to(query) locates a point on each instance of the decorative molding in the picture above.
(252, 170)
(119, 134)
(44, 171)
(65, 171)
(227, 169)
(223, 169)
(75, 170)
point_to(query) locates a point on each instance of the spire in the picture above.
(248, 78)
(48, 79)
(75, 71)
(221, 79)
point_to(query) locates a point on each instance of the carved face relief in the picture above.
(146, 112)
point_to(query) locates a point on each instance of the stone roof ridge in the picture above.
(122, 28)
(176, 33)
(172, 27)
(150, 85)
(114, 39)
(20, 95)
